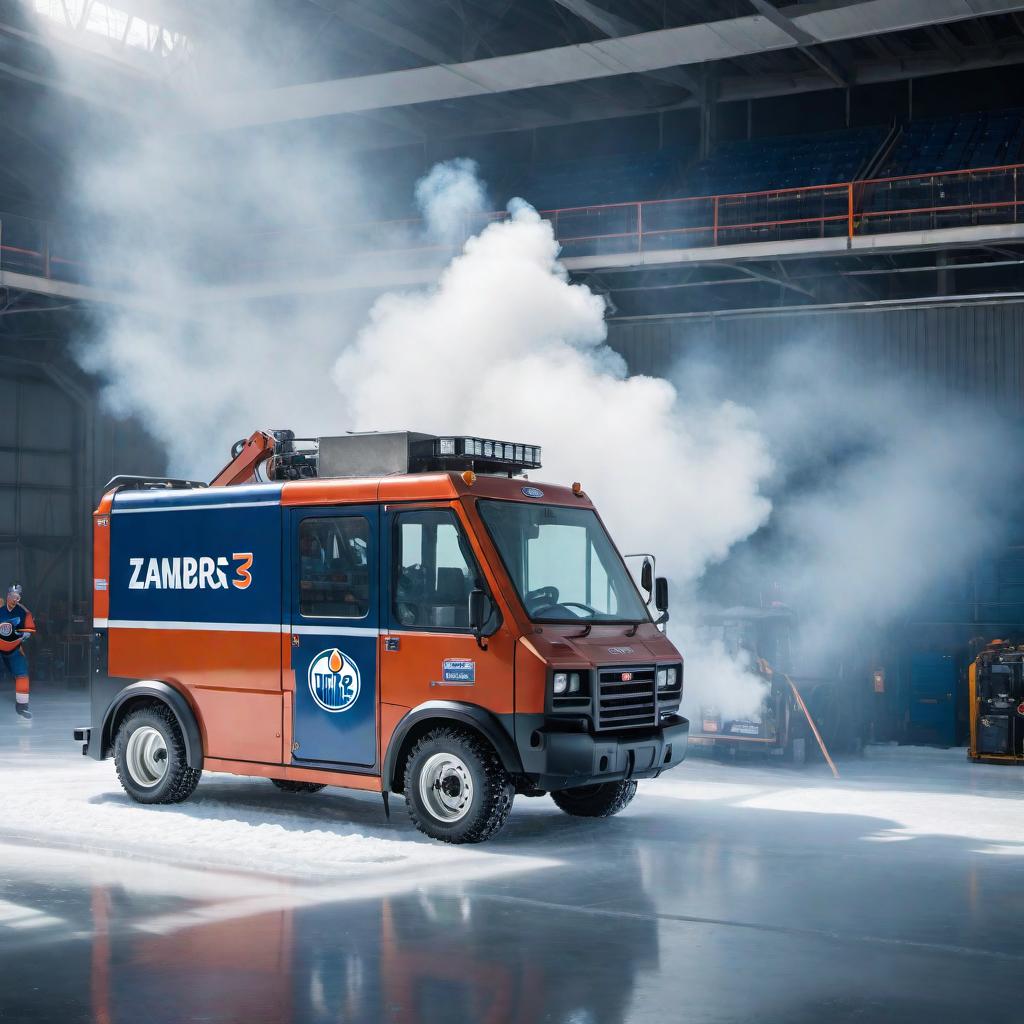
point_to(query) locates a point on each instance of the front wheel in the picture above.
(149, 755)
(601, 800)
(456, 789)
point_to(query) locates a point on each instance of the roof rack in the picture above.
(145, 483)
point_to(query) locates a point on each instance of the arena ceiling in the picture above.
(391, 72)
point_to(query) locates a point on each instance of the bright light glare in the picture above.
(110, 22)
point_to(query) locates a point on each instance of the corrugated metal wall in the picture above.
(57, 450)
(973, 348)
(40, 431)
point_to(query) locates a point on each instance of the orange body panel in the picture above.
(101, 557)
(300, 493)
(412, 675)
(232, 679)
(198, 657)
(421, 487)
(531, 678)
(240, 724)
(390, 716)
(370, 783)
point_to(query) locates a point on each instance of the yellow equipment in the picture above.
(996, 678)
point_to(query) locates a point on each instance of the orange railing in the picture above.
(978, 196)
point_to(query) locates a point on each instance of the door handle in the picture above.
(295, 640)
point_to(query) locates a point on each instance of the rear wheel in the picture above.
(290, 786)
(456, 789)
(150, 758)
(601, 800)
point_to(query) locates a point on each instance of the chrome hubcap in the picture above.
(446, 787)
(146, 756)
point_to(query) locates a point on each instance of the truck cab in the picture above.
(434, 625)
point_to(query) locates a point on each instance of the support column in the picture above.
(708, 97)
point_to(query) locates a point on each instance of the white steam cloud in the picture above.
(883, 492)
(506, 346)
(452, 198)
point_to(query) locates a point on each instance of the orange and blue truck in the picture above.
(396, 612)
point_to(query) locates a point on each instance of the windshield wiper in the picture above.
(632, 632)
(586, 632)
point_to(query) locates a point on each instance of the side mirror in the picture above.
(647, 578)
(661, 597)
(479, 613)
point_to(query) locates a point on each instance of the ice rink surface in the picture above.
(726, 892)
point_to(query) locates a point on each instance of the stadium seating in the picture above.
(957, 142)
(594, 181)
(761, 165)
(790, 161)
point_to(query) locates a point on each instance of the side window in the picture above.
(433, 570)
(334, 569)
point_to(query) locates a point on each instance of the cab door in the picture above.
(430, 652)
(334, 615)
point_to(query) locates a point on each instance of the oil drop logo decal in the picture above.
(334, 680)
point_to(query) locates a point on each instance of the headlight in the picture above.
(667, 678)
(565, 682)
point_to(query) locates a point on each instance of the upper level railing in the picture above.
(920, 202)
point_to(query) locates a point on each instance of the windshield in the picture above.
(563, 563)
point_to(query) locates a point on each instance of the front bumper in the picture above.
(556, 759)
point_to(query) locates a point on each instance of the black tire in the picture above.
(177, 781)
(289, 786)
(601, 800)
(486, 801)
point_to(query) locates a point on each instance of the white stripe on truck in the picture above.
(194, 508)
(237, 627)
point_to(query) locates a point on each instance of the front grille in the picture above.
(629, 703)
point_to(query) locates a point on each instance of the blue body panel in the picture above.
(335, 717)
(205, 556)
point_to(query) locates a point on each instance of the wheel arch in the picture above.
(148, 691)
(424, 717)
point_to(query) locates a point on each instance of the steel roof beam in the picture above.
(806, 43)
(639, 53)
(614, 27)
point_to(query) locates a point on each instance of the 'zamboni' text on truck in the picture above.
(398, 613)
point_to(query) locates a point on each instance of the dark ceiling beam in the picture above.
(613, 27)
(806, 43)
(880, 48)
(945, 41)
(604, 21)
(893, 70)
(762, 275)
(982, 32)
